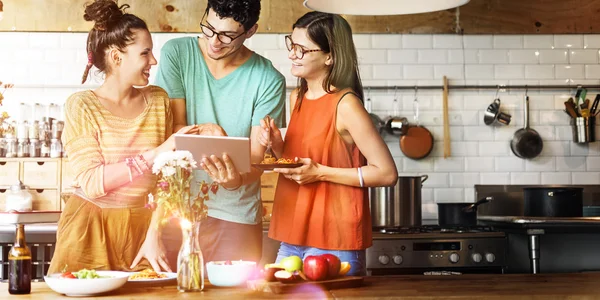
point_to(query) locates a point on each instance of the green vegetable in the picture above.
(88, 274)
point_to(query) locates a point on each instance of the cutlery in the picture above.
(269, 153)
(595, 105)
(570, 109)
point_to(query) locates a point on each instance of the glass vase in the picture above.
(190, 263)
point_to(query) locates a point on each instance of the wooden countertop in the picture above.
(489, 286)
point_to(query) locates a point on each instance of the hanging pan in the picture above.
(418, 141)
(526, 142)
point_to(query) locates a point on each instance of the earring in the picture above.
(118, 61)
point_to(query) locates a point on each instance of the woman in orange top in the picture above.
(322, 206)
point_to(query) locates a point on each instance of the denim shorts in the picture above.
(356, 258)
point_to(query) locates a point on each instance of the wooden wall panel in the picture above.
(277, 16)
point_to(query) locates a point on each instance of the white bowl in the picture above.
(87, 287)
(235, 274)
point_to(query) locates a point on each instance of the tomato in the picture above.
(68, 275)
(214, 188)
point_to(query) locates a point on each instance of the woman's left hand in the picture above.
(154, 251)
(308, 173)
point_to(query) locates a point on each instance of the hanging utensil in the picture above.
(595, 105)
(446, 120)
(570, 110)
(418, 141)
(526, 142)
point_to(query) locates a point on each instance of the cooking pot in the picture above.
(399, 205)
(464, 214)
(553, 201)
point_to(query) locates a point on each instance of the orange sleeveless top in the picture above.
(321, 214)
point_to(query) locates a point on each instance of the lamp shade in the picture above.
(381, 7)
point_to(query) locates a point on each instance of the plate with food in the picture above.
(86, 282)
(149, 275)
(272, 163)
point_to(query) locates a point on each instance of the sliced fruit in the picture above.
(344, 268)
(273, 265)
(270, 270)
(287, 277)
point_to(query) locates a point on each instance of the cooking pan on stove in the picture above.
(463, 214)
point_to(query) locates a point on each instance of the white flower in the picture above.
(179, 158)
(168, 171)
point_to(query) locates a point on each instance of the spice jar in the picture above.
(23, 148)
(55, 148)
(18, 198)
(34, 148)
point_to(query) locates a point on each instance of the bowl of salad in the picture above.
(86, 282)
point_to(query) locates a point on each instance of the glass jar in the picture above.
(44, 148)
(55, 148)
(34, 148)
(18, 198)
(11, 147)
(23, 148)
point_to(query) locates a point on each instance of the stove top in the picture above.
(436, 229)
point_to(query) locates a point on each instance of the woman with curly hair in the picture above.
(112, 135)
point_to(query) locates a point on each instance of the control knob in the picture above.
(454, 257)
(384, 259)
(476, 257)
(490, 257)
(397, 259)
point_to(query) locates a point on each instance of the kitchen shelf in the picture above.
(483, 87)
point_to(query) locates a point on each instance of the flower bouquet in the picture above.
(173, 199)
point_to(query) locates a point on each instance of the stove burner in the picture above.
(437, 229)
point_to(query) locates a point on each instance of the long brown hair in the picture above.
(333, 35)
(112, 28)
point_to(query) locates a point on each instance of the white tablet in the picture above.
(238, 148)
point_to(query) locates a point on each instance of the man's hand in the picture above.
(223, 171)
(211, 129)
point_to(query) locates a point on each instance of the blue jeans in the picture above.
(356, 258)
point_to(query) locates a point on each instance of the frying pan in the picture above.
(526, 142)
(418, 141)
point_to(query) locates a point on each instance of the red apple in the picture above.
(334, 265)
(316, 267)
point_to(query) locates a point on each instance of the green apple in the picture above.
(292, 263)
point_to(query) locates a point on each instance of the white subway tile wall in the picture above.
(47, 67)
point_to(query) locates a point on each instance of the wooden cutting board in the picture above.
(277, 287)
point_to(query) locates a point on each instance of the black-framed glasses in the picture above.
(224, 38)
(299, 50)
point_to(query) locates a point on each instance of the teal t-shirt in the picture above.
(236, 102)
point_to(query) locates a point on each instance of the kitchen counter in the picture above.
(474, 286)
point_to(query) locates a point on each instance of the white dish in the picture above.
(87, 287)
(170, 276)
(235, 274)
(30, 217)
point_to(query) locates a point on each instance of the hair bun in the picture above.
(104, 13)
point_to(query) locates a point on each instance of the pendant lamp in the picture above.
(381, 7)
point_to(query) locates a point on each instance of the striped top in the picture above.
(94, 137)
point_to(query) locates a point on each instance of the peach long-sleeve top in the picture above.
(93, 137)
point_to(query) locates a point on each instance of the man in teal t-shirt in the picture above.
(215, 79)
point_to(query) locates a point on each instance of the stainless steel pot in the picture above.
(399, 205)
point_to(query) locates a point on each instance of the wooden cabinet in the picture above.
(49, 179)
(268, 184)
(41, 175)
